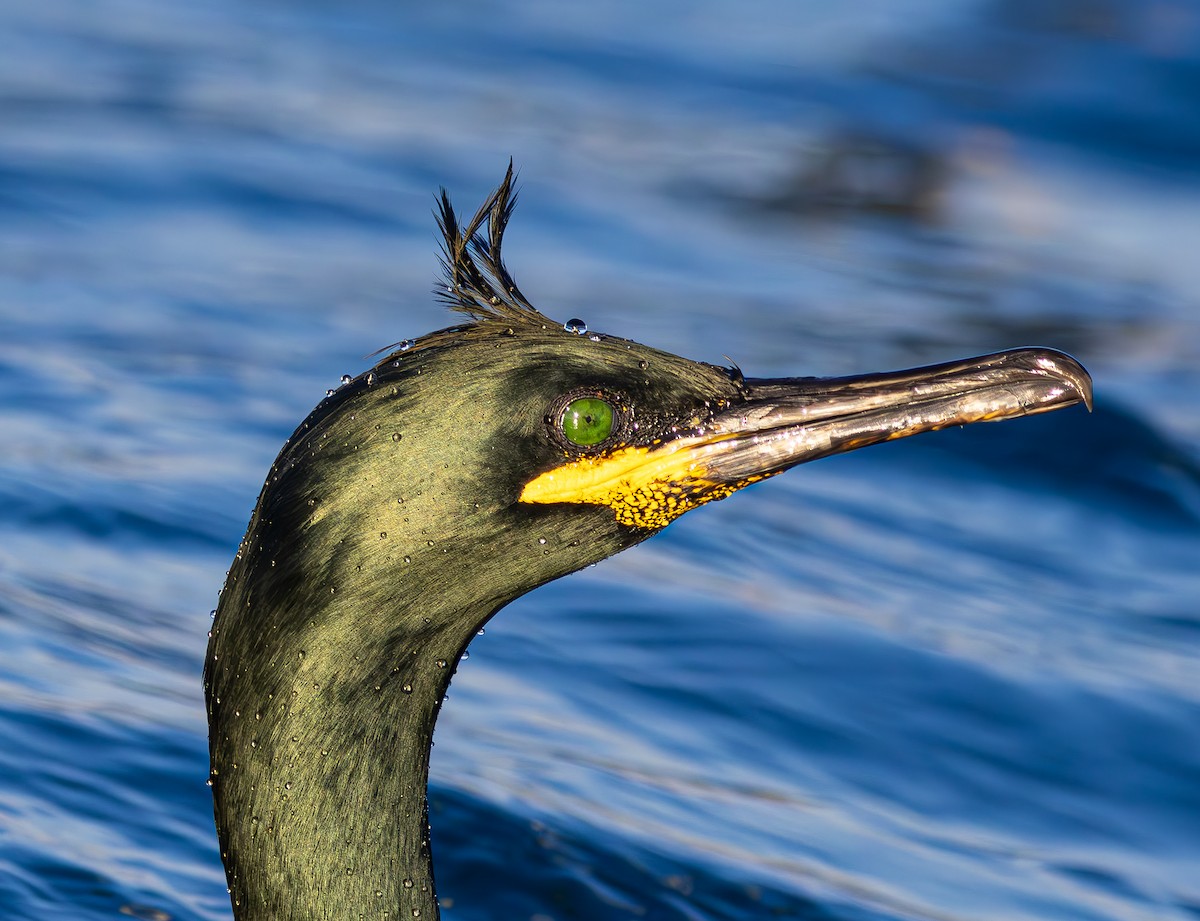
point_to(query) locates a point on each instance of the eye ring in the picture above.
(586, 420)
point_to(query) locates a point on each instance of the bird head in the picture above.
(513, 449)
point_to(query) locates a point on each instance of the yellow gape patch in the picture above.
(645, 487)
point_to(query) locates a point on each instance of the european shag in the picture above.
(463, 470)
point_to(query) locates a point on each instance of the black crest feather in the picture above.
(477, 282)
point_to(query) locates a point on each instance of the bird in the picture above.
(464, 469)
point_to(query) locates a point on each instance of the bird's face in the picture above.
(535, 451)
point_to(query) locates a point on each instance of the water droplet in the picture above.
(541, 540)
(576, 326)
(346, 378)
(481, 632)
(382, 535)
(371, 379)
(328, 393)
(405, 345)
(212, 613)
(441, 663)
(466, 655)
(643, 365)
(407, 884)
(396, 436)
(406, 688)
(408, 559)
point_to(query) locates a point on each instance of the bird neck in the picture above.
(320, 742)
(369, 564)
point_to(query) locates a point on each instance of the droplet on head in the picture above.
(576, 326)
(346, 378)
(405, 345)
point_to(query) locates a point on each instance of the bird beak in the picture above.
(792, 420)
(786, 421)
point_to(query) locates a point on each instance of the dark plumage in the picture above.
(457, 474)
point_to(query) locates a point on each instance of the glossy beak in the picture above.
(788, 421)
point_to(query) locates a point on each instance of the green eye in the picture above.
(587, 421)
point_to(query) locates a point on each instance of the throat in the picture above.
(320, 761)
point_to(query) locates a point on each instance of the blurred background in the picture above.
(950, 678)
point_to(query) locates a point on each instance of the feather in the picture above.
(477, 282)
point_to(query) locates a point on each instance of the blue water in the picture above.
(956, 677)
